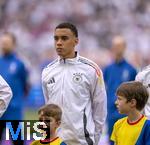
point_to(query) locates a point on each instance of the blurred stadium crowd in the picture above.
(98, 21)
(33, 21)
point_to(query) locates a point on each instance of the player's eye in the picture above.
(64, 38)
(55, 38)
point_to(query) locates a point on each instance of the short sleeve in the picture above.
(113, 135)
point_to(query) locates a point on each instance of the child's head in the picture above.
(133, 92)
(51, 115)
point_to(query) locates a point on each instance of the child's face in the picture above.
(122, 105)
(53, 124)
(50, 122)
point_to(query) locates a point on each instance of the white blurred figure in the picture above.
(5, 95)
(144, 77)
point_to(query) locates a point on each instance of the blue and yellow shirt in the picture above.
(56, 141)
(125, 133)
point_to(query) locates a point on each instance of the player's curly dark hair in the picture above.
(68, 26)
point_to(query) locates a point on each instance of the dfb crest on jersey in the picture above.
(77, 77)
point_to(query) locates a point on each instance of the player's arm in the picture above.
(113, 135)
(5, 95)
(99, 104)
(44, 88)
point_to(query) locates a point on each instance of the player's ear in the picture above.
(76, 41)
(133, 103)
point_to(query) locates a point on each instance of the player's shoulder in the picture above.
(63, 143)
(87, 61)
(147, 122)
(146, 127)
(90, 64)
(146, 70)
(51, 65)
(48, 68)
(144, 73)
(121, 121)
(19, 62)
(108, 67)
(58, 141)
(16, 59)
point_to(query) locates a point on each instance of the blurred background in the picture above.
(98, 21)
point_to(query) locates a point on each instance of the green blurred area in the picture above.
(31, 114)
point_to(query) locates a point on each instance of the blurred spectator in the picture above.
(114, 74)
(14, 72)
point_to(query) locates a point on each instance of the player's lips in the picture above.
(59, 49)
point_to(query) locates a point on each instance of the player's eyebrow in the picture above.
(63, 37)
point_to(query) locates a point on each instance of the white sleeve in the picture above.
(99, 105)
(147, 109)
(5, 95)
(139, 77)
(44, 88)
(144, 77)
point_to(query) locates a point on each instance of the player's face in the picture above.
(118, 47)
(6, 44)
(122, 105)
(65, 42)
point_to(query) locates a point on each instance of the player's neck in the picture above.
(49, 138)
(53, 136)
(134, 117)
(118, 59)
